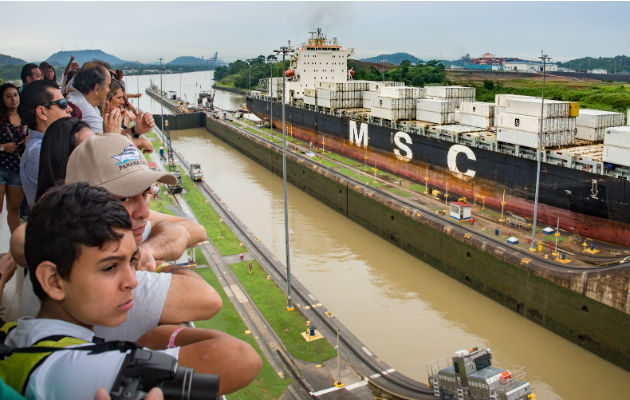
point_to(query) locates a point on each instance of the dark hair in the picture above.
(90, 74)
(43, 66)
(59, 141)
(27, 71)
(33, 95)
(4, 111)
(67, 218)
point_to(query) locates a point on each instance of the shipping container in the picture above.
(617, 155)
(590, 134)
(400, 92)
(435, 117)
(473, 120)
(433, 105)
(480, 108)
(532, 124)
(598, 118)
(532, 139)
(618, 136)
(450, 92)
(531, 106)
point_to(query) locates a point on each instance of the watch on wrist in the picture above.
(133, 133)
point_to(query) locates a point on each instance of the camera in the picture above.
(144, 369)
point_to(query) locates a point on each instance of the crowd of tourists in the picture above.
(89, 248)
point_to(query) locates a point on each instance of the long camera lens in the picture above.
(187, 385)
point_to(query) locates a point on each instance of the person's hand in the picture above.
(7, 268)
(154, 394)
(145, 260)
(112, 120)
(144, 122)
(10, 147)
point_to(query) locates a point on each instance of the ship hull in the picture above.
(587, 204)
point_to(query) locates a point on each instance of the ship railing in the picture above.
(434, 367)
(517, 373)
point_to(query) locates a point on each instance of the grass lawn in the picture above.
(368, 180)
(217, 230)
(324, 162)
(399, 192)
(289, 325)
(267, 385)
(417, 188)
(343, 160)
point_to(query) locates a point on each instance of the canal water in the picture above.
(403, 310)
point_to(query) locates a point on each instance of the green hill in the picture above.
(614, 65)
(8, 60)
(61, 58)
(395, 58)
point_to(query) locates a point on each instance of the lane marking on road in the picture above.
(335, 388)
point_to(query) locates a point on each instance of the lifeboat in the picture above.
(289, 73)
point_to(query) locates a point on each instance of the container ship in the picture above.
(442, 137)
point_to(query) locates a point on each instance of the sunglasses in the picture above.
(61, 103)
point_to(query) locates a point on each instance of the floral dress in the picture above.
(17, 135)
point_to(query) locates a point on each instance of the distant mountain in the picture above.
(8, 60)
(81, 56)
(395, 58)
(188, 60)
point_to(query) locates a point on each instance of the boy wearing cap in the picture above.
(114, 163)
(80, 251)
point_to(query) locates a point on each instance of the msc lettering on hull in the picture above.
(403, 144)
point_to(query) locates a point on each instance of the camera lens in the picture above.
(187, 385)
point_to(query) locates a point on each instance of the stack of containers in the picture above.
(591, 124)
(517, 119)
(395, 102)
(441, 103)
(617, 145)
(475, 113)
(337, 94)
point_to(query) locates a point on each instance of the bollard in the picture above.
(472, 221)
(563, 256)
(540, 246)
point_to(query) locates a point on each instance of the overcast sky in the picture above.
(145, 31)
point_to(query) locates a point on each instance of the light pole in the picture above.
(285, 50)
(383, 59)
(180, 84)
(271, 99)
(161, 97)
(249, 64)
(544, 59)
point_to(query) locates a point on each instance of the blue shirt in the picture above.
(29, 166)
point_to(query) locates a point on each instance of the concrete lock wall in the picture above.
(569, 304)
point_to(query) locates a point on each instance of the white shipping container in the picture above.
(391, 114)
(450, 91)
(323, 94)
(532, 124)
(532, 106)
(473, 120)
(373, 86)
(617, 155)
(435, 117)
(310, 100)
(598, 118)
(310, 92)
(618, 136)
(399, 92)
(531, 139)
(433, 105)
(480, 108)
(527, 139)
(591, 134)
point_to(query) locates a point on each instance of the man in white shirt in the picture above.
(91, 86)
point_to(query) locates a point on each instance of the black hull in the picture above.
(591, 205)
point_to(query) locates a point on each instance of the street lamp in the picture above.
(285, 50)
(383, 59)
(161, 96)
(544, 59)
(249, 65)
(180, 84)
(271, 98)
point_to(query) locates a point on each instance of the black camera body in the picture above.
(144, 369)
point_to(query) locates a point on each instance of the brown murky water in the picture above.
(403, 310)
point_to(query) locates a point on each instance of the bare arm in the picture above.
(210, 352)
(170, 236)
(189, 298)
(17, 245)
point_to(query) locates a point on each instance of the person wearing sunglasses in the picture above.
(41, 104)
